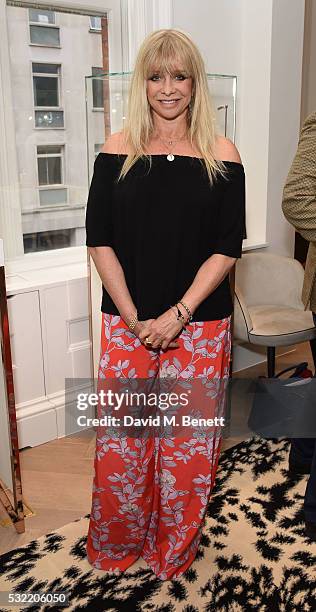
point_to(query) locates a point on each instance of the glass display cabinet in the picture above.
(106, 106)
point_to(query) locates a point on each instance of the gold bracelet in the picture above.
(133, 322)
(187, 309)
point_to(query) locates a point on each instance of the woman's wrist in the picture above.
(178, 315)
(186, 311)
(132, 321)
(137, 328)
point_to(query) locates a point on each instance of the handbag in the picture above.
(285, 407)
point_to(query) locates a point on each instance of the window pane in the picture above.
(45, 36)
(41, 16)
(97, 94)
(42, 171)
(54, 170)
(49, 119)
(49, 68)
(97, 88)
(49, 170)
(51, 197)
(46, 202)
(95, 23)
(43, 149)
(45, 91)
(43, 241)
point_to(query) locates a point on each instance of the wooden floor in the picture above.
(57, 476)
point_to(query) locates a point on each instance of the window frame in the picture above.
(38, 22)
(32, 253)
(91, 28)
(95, 76)
(62, 186)
(37, 44)
(62, 165)
(54, 25)
(60, 106)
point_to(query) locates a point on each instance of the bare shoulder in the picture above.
(225, 150)
(114, 143)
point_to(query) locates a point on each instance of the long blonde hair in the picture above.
(163, 50)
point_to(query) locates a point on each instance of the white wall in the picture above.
(285, 109)
(216, 28)
(260, 42)
(215, 25)
(253, 111)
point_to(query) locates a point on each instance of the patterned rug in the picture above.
(253, 554)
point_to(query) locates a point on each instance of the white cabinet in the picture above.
(26, 346)
(50, 341)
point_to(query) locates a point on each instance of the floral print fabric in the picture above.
(150, 494)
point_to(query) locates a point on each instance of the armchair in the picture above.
(268, 310)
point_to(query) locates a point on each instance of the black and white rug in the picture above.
(253, 555)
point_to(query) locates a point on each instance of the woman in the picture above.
(165, 219)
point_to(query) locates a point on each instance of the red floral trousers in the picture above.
(150, 494)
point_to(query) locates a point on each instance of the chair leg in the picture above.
(271, 361)
(313, 349)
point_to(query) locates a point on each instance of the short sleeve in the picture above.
(232, 217)
(98, 213)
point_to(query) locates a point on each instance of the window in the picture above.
(48, 37)
(46, 84)
(95, 24)
(49, 164)
(49, 119)
(49, 116)
(46, 87)
(97, 88)
(41, 16)
(43, 33)
(43, 241)
(50, 175)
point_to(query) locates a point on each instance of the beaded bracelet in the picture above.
(187, 309)
(179, 315)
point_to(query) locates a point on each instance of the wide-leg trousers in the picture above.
(150, 494)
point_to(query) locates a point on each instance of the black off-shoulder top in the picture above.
(163, 222)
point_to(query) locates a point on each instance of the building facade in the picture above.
(51, 54)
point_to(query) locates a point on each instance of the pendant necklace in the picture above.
(170, 145)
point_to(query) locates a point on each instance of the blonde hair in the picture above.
(163, 50)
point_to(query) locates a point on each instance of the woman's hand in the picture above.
(141, 326)
(160, 332)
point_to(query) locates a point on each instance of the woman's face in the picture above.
(169, 95)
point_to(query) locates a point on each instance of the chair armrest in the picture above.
(242, 320)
